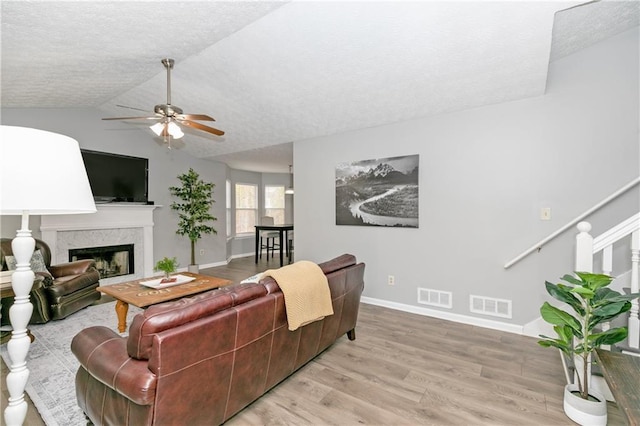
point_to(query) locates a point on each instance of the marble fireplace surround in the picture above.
(112, 224)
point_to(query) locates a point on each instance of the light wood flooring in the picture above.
(407, 369)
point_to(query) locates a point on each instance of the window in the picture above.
(274, 203)
(246, 207)
(228, 205)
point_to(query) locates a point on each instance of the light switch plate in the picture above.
(545, 213)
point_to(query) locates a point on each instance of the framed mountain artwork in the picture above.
(381, 192)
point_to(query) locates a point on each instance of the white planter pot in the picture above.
(194, 269)
(582, 411)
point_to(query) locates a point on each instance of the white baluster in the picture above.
(584, 248)
(634, 321)
(607, 268)
(607, 259)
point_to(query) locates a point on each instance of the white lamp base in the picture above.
(19, 315)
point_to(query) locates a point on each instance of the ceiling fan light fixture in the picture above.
(175, 131)
(157, 128)
(167, 129)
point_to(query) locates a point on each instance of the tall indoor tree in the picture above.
(194, 209)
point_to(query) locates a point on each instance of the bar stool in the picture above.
(268, 238)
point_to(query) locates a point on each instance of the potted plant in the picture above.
(579, 336)
(193, 210)
(168, 266)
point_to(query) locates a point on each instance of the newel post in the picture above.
(584, 248)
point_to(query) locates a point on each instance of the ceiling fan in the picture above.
(169, 116)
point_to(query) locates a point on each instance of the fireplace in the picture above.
(111, 261)
(113, 224)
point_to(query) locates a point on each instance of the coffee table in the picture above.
(136, 294)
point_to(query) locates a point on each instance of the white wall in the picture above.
(485, 174)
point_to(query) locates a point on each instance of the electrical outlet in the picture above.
(391, 280)
(201, 252)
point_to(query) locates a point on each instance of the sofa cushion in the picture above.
(172, 314)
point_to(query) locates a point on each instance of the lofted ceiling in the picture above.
(276, 72)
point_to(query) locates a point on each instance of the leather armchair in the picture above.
(64, 289)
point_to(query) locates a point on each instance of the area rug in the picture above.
(52, 366)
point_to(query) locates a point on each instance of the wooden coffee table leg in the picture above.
(121, 310)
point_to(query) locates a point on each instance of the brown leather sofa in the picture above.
(64, 289)
(202, 359)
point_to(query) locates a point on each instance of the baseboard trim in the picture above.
(463, 319)
(207, 265)
(238, 256)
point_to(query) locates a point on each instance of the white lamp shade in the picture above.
(157, 128)
(167, 129)
(175, 130)
(42, 173)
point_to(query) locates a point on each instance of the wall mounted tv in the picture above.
(117, 178)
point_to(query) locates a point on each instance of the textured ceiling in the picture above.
(276, 72)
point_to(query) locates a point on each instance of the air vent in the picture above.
(490, 306)
(441, 299)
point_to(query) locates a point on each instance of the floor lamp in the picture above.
(41, 173)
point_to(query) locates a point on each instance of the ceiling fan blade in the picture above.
(198, 117)
(157, 117)
(199, 126)
(137, 109)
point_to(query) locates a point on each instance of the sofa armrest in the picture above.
(72, 268)
(103, 353)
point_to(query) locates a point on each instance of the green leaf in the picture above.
(613, 296)
(563, 293)
(565, 333)
(597, 319)
(585, 292)
(556, 316)
(556, 344)
(608, 337)
(609, 309)
(571, 279)
(595, 281)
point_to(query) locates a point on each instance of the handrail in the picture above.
(616, 233)
(544, 241)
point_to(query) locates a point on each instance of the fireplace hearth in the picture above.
(111, 261)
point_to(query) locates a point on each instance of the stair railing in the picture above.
(587, 247)
(573, 222)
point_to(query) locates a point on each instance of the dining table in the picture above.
(283, 231)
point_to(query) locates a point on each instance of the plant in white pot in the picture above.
(168, 266)
(193, 210)
(579, 336)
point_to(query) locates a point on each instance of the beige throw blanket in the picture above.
(306, 292)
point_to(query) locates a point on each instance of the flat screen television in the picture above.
(116, 178)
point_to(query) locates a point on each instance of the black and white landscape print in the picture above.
(382, 192)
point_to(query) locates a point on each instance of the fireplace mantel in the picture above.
(108, 217)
